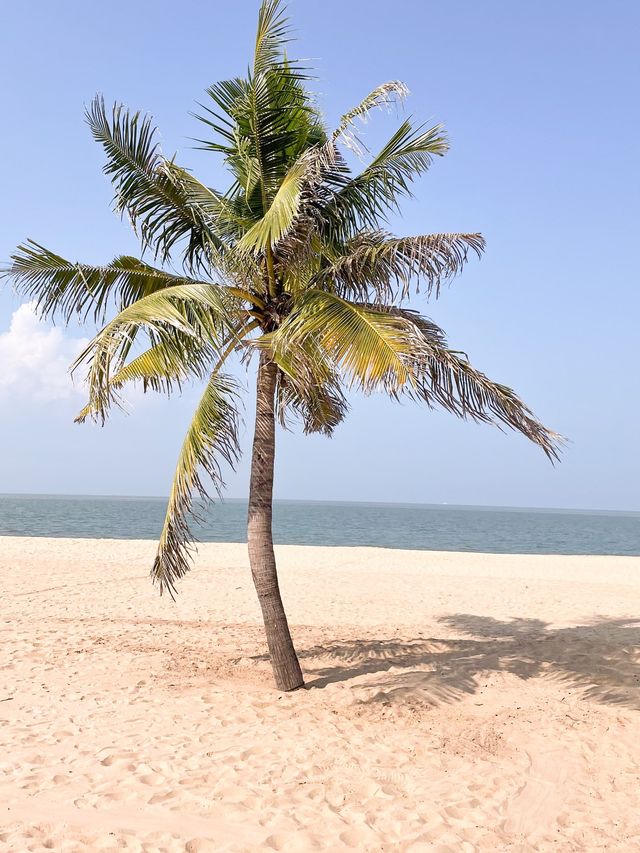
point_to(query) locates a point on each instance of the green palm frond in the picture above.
(277, 118)
(165, 367)
(262, 126)
(271, 37)
(281, 214)
(304, 246)
(403, 353)
(216, 224)
(161, 368)
(229, 97)
(158, 209)
(370, 347)
(206, 313)
(212, 438)
(288, 221)
(379, 267)
(282, 126)
(366, 199)
(59, 286)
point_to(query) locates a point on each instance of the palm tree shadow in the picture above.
(601, 660)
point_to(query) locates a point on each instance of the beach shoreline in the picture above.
(454, 701)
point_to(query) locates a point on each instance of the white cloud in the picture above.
(35, 359)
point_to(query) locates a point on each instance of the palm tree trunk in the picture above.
(286, 668)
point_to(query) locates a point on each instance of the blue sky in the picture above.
(540, 101)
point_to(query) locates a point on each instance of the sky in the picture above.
(541, 105)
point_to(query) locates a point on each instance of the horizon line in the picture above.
(440, 505)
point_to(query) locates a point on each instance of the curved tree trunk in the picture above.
(284, 660)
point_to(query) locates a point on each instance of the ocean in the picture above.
(412, 526)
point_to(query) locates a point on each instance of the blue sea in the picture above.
(413, 526)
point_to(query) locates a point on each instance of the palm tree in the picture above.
(293, 264)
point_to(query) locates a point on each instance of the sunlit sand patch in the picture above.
(453, 702)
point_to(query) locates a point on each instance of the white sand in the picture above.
(456, 702)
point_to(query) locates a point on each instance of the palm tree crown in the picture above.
(293, 262)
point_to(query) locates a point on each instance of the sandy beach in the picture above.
(455, 702)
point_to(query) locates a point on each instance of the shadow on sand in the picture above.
(601, 660)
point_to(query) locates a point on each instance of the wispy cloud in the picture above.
(35, 359)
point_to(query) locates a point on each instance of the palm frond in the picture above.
(282, 126)
(277, 119)
(288, 222)
(378, 267)
(271, 37)
(65, 288)
(366, 199)
(161, 368)
(263, 124)
(446, 378)
(215, 226)
(402, 352)
(308, 384)
(166, 366)
(206, 313)
(228, 97)
(281, 214)
(384, 96)
(370, 347)
(145, 189)
(301, 247)
(212, 438)
(321, 407)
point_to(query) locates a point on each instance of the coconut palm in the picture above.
(293, 264)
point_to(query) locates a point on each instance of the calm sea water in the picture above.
(422, 527)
